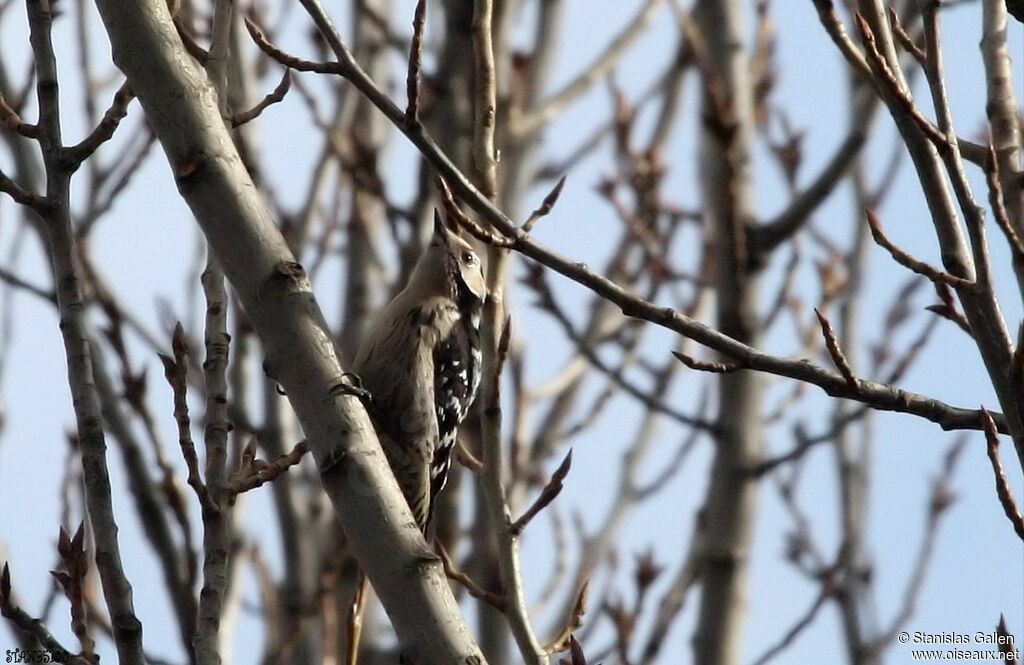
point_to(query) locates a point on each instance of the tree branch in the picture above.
(276, 293)
(1002, 484)
(879, 396)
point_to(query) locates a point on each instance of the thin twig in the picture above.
(104, 131)
(884, 77)
(564, 639)
(835, 351)
(782, 227)
(28, 624)
(496, 601)
(835, 29)
(593, 72)
(1002, 484)
(273, 97)
(12, 189)
(18, 283)
(176, 373)
(877, 395)
(650, 400)
(997, 201)
(948, 309)
(941, 499)
(798, 627)
(451, 208)
(706, 365)
(545, 207)
(71, 578)
(905, 40)
(257, 475)
(551, 491)
(412, 81)
(291, 61)
(10, 119)
(950, 154)
(188, 41)
(907, 261)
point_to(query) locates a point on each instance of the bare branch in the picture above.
(948, 309)
(909, 262)
(906, 41)
(452, 571)
(835, 29)
(997, 201)
(176, 373)
(798, 627)
(877, 395)
(256, 259)
(291, 61)
(18, 283)
(257, 473)
(12, 189)
(537, 281)
(412, 81)
(60, 239)
(885, 78)
(193, 48)
(835, 351)
(28, 624)
(104, 131)
(562, 641)
(789, 221)
(545, 207)
(551, 490)
(10, 119)
(273, 97)
(452, 209)
(707, 366)
(593, 72)
(950, 153)
(1002, 484)
(940, 500)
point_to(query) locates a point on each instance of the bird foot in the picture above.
(352, 386)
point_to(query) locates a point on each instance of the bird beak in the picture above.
(439, 229)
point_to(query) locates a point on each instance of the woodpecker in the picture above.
(420, 362)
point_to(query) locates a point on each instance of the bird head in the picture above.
(460, 260)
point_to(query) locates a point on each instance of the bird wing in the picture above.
(403, 413)
(456, 377)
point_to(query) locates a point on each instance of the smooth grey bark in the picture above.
(853, 465)
(148, 501)
(727, 192)
(945, 207)
(452, 123)
(182, 109)
(1004, 117)
(369, 132)
(55, 211)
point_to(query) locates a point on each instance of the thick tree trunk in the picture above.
(727, 189)
(182, 110)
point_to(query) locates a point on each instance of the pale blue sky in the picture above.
(145, 249)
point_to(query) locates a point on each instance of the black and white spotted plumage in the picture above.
(421, 364)
(457, 363)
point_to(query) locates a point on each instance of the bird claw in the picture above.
(352, 386)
